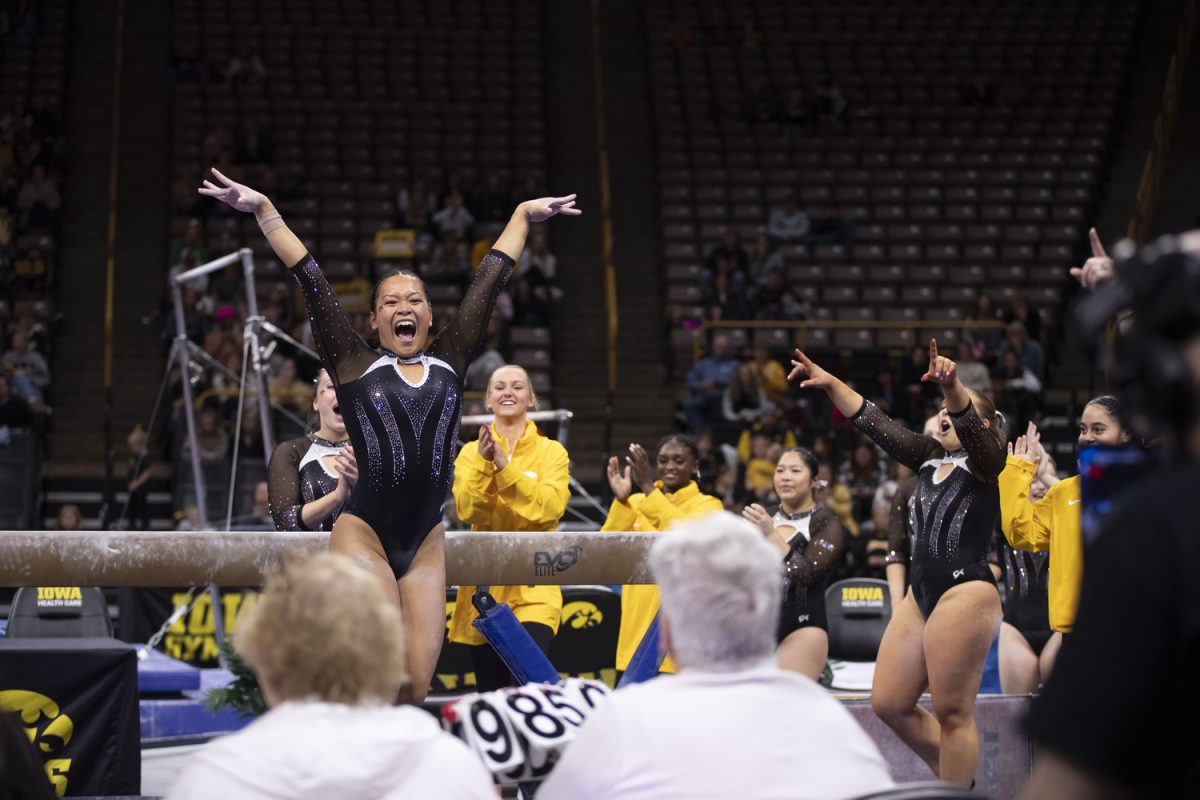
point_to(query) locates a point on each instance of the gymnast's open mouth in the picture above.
(406, 331)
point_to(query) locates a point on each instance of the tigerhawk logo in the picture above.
(581, 614)
(547, 564)
(48, 729)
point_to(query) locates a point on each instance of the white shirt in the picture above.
(327, 750)
(758, 733)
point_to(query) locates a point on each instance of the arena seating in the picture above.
(949, 187)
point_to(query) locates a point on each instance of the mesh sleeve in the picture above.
(910, 449)
(984, 449)
(820, 555)
(462, 340)
(898, 538)
(343, 352)
(283, 486)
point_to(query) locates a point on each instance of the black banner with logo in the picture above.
(78, 702)
(192, 638)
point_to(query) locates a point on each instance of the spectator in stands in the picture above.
(540, 264)
(289, 391)
(768, 296)
(788, 223)
(744, 400)
(724, 726)
(137, 507)
(225, 335)
(772, 377)
(1020, 391)
(984, 341)
(454, 219)
(973, 373)
(528, 307)
(792, 307)
(250, 438)
(38, 201)
(483, 244)
(724, 299)
(8, 227)
(730, 247)
(1028, 352)
(707, 381)
(862, 472)
(763, 258)
(69, 518)
(758, 485)
(15, 413)
(770, 425)
(328, 649)
(192, 242)
(211, 437)
(29, 373)
(1020, 310)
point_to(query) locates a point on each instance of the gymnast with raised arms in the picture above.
(940, 634)
(401, 403)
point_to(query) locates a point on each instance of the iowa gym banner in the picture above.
(78, 702)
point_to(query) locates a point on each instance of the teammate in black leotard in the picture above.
(309, 478)
(939, 636)
(809, 537)
(401, 404)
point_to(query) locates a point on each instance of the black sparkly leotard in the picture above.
(296, 476)
(951, 520)
(404, 434)
(1026, 603)
(816, 549)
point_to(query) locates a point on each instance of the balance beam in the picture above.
(242, 558)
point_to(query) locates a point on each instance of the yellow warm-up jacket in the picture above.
(1051, 523)
(656, 511)
(529, 494)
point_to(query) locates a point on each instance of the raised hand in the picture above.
(232, 193)
(544, 208)
(620, 482)
(1025, 448)
(759, 516)
(639, 463)
(817, 377)
(487, 445)
(942, 370)
(1098, 269)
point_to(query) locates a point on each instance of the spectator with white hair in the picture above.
(328, 648)
(726, 725)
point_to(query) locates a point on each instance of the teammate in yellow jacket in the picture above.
(1052, 523)
(661, 503)
(511, 479)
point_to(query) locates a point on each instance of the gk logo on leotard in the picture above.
(546, 564)
(958, 573)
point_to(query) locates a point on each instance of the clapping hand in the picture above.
(619, 480)
(759, 516)
(346, 466)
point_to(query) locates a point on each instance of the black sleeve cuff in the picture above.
(503, 257)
